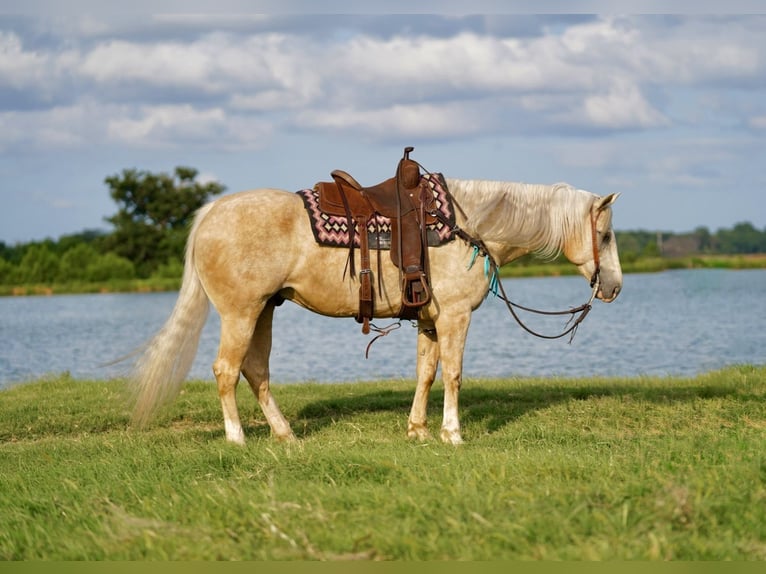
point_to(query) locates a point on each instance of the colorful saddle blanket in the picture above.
(333, 230)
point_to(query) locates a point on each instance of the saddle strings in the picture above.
(381, 332)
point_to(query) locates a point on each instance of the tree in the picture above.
(39, 265)
(704, 239)
(108, 267)
(73, 265)
(155, 211)
(742, 238)
(7, 272)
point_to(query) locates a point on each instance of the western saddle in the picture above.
(406, 201)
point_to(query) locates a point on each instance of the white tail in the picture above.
(163, 366)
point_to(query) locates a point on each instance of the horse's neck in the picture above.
(520, 217)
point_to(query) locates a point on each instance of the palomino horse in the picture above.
(249, 251)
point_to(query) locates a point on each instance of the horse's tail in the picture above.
(167, 358)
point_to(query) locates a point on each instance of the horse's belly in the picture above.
(321, 282)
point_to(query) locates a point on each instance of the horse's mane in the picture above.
(536, 217)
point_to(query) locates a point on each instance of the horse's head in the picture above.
(595, 250)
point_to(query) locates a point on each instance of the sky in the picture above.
(668, 110)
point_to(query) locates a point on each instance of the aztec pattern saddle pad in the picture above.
(333, 231)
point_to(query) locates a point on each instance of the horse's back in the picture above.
(248, 217)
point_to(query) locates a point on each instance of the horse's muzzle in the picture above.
(602, 293)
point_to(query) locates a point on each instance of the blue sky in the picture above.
(669, 110)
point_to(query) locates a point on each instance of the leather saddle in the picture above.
(406, 201)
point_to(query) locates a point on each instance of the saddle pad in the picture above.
(333, 230)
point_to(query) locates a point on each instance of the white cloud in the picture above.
(19, 68)
(160, 124)
(163, 126)
(425, 121)
(244, 78)
(121, 61)
(58, 127)
(215, 63)
(623, 106)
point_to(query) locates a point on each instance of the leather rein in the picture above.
(571, 325)
(574, 321)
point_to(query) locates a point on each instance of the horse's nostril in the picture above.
(616, 291)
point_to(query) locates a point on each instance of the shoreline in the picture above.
(644, 265)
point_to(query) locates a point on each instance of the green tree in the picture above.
(704, 238)
(155, 211)
(7, 272)
(92, 237)
(110, 266)
(742, 238)
(172, 269)
(73, 265)
(39, 264)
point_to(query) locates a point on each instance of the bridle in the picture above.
(583, 310)
(596, 277)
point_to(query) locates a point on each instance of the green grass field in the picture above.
(574, 469)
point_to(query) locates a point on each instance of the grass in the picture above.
(77, 287)
(574, 469)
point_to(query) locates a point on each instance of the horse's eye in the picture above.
(607, 237)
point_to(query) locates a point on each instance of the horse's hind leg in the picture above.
(236, 332)
(256, 371)
(428, 361)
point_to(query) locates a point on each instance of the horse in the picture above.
(248, 252)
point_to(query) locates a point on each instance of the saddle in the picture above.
(406, 201)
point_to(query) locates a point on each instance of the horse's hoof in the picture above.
(418, 432)
(290, 437)
(238, 440)
(451, 437)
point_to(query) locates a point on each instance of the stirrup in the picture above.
(415, 291)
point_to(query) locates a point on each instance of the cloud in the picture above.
(18, 68)
(422, 121)
(622, 107)
(57, 127)
(166, 125)
(177, 78)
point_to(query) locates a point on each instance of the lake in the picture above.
(671, 323)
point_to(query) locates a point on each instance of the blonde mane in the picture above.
(535, 217)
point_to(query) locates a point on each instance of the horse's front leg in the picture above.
(452, 334)
(428, 361)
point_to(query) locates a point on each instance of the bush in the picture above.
(110, 266)
(172, 269)
(75, 263)
(7, 272)
(39, 265)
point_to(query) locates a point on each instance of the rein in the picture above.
(496, 286)
(481, 249)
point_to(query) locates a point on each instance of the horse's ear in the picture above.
(606, 201)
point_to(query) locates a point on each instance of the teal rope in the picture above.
(474, 255)
(489, 269)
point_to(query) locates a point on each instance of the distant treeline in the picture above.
(147, 240)
(154, 212)
(742, 239)
(89, 256)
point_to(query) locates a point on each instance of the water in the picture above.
(677, 323)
